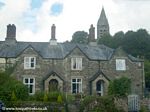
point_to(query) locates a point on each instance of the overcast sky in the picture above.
(33, 18)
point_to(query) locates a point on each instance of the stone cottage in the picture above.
(68, 67)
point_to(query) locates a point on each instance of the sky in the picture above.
(34, 18)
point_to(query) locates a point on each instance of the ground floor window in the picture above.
(76, 85)
(30, 83)
(100, 87)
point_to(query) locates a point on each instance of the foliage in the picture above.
(45, 99)
(117, 39)
(70, 98)
(106, 40)
(137, 43)
(50, 96)
(39, 95)
(8, 85)
(134, 43)
(147, 73)
(87, 100)
(99, 104)
(59, 99)
(144, 109)
(120, 87)
(13, 97)
(80, 37)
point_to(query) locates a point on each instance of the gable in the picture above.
(120, 53)
(29, 51)
(99, 73)
(76, 52)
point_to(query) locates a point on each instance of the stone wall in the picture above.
(62, 67)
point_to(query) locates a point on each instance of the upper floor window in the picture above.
(30, 83)
(76, 63)
(29, 62)
(76, 85)
(120, 64)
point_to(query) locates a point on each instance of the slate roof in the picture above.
(134, 58)
(59, 51)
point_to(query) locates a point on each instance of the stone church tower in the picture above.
(102, 25)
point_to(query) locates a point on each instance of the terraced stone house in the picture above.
(68, 67)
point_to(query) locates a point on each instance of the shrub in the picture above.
(52, 96)
(9, 84)
(39, 96)
(120, 87)
(59, 99)
(99, 104)
(45, 99)
(13, 97)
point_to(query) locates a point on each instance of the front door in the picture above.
(100, 87)
(53, 85)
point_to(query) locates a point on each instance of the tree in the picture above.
(106, 40)
(117, 39)
(80, 37)
(137, 43)
(120, 87)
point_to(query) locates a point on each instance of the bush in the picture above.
(59, 99)
(120, 87)
(144, 109)
(9, 84)
(13, 97)
(39, 96)
(99, 104)
(52, 96)
(45, 99)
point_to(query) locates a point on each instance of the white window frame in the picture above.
(28, 62)
(120, 64)
(76, 63)
(78, 85)
(28, 84)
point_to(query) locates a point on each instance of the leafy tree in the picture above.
(106, 40)
(120, 87)
(137, 43)
(80, 37)
(117, 39)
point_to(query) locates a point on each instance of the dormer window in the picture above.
(76, 63)
(29, 62)
(120, 64)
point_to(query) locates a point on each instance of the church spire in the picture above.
(102, 24)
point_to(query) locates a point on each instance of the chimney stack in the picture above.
(91, 37)
(11, 33)
(53, 40)
(92, 34)
(53, 30)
